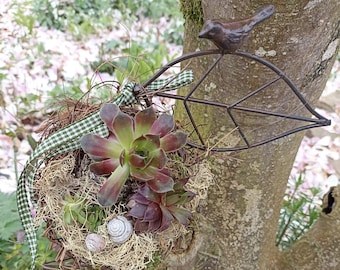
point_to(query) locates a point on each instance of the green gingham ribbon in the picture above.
(67, 139)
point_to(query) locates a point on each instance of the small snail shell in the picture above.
(95, 242)
(120, 229)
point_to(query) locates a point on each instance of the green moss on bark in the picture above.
(192, 10)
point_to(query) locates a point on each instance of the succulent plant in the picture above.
(136, 147)
(154, 211)
(75, 210)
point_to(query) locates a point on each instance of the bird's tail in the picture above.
(262, 14)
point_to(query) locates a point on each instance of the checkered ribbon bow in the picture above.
(67, 139)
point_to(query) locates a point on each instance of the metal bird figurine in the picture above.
(229, 36)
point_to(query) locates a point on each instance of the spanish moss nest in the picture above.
(69, 176)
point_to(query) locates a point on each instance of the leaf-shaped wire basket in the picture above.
(237, 105)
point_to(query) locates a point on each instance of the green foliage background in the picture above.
(14, 254)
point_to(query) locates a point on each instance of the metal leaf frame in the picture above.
(318, 121)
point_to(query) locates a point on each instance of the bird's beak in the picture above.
(202, 34)
(205, 30)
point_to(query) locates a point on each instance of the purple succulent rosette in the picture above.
(136, 147)
(153, 211)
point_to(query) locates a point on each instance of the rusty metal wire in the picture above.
(230, 109)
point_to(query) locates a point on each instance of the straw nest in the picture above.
(70, 175)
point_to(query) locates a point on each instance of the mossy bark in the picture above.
(238, 223)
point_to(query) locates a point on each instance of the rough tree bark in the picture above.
(238, 223)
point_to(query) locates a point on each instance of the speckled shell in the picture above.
(95, 242)
(119, 229)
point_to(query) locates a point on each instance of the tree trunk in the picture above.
(238, 222)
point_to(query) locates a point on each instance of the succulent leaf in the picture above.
(109, 192)
(137, 161)
(95, 145)
(145, 191)
(104, 167)
(179, 197)
(107, 113)
(173, 198)
(122, 158)
(180, 183)
(143, 121)
(123, 129)
(138, 211)
(139, 199)
(173, 141)
(154, 226)
(163, 125)
(154, 139)
(152, 213)
(141, 175)
(146, 143)
(182, 215)
(159, 159)
(167, 218)
(141, 226)
(161, 182)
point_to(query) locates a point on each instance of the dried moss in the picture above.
(59, 177)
